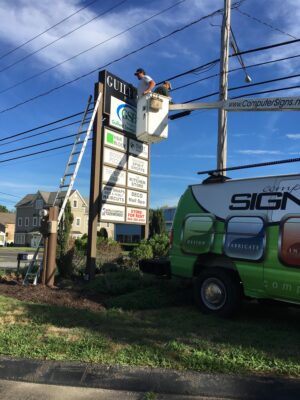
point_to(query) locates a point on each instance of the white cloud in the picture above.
(295, 136)
(258, 152)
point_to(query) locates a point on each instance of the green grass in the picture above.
(262, 341)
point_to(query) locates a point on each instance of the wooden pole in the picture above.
(94, 188)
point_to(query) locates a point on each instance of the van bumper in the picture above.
(156, 266)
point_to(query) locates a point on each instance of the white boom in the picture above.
(258, 104)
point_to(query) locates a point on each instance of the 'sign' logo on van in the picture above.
(263, 201)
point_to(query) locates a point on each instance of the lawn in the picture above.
(153, 323)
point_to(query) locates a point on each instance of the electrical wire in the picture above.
(236, 69)
(8, 194)
(38, 152)
(265, 23)
(90, 48)
(41, 143)
(44, 126)
(47, 30)
(61, 37)
(267, 47)
(44, 132)
(111, 62)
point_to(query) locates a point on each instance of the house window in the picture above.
(39, 204)
(20, 221)
(75, 203)
(26, 221)
(289, 251)
(20, 238)
(245, 238)
(78, 221)
(34, 221)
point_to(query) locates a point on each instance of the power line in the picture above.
(43, 126)
(90, 48)
(37, 152)
(268, 47)
(111, 62)
(47, 131)
(265, 23)
(47, 30)
(8, 194)
(267, 91)
(61, 37)
(236, 69)
(40, 143)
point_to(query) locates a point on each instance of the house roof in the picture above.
(7, 218)
(48, 198)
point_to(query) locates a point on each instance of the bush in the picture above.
(141, 252)
(81, 244)
(108, 252)
(160, 245)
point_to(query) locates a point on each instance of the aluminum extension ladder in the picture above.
(66, 185)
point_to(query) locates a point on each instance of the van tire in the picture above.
(218, 291)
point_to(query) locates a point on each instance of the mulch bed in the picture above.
(58, 296)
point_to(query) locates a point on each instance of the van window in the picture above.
(289, 251)
(197, 233)
(245, 238)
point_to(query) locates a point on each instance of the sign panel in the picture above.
(115, 158)
(114, 176)
(138, 199)
(122, 115)
(139, 149)
(117, 87)
(113, 194)
(111, 212)
(136, 215)
(138, 165)
(115, 140)
(137, 181)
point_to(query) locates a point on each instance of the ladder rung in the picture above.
(64, 186)
(69, 174)
(76, 152)
(73, 163)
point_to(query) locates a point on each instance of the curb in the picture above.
(149, 380)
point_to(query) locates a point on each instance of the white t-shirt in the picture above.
(143, 84)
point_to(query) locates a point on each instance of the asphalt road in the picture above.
(12, 390)
(8, 257)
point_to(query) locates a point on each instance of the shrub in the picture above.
(141, 252)
(108, 252)
(160, 245)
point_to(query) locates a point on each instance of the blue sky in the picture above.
(191, 146)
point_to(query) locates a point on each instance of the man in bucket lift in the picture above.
(164, 89)
(146, 82)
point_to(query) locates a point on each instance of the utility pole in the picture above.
(222, 114)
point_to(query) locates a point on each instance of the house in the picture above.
(7, 227)
(28, 218)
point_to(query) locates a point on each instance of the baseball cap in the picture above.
(139, 70)
(168, 83)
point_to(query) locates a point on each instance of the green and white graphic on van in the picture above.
(237, 238)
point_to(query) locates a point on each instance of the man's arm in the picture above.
(150, 86)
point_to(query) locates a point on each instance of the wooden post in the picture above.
(94, 188)
(52, 243)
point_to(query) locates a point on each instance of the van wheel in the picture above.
(218, 292)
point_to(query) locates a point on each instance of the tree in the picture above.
(156, 222)
(3, 209)
(64, 252)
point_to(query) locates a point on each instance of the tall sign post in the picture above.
(119, 190)
(94, 187)
(222, 113)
